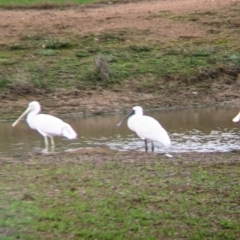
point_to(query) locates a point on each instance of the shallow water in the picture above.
(191, 130)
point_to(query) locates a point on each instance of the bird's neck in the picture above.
(131, 122)
(30, 117)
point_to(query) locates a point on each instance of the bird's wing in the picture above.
(49, 125)
(68, 132)
(148, 128)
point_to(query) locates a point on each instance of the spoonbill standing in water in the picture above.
(46, 125)
(147, 128)
(237, 118)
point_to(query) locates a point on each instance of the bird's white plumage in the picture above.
(150, 129)
(147, 128)
(46, 125)
(237, 118)
(51, 126)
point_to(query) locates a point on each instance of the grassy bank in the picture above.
(41, 61)
(39, 4)
(111, 195)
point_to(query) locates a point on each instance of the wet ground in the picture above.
(191, 130)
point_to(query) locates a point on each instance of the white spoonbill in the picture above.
(237, 118)
(46, 125)
(147, 128)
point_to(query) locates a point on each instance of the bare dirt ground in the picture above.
(102, 17)
(106, 17)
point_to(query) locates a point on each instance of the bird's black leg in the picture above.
(152, 147)
(146, 147)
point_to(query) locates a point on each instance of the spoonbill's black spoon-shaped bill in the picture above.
(46, 125)
(147, 128)
(237, 118)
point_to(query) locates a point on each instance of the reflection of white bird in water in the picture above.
(147, 128)
(46, 125)
(237, 118)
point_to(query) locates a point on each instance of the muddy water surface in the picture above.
(191, 130)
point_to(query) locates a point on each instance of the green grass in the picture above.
(40, 1)
(42, 4)
(71, 63)
(114, 195)
(62, 61)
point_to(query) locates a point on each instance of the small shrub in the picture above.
(8, 61)
(101, 68)
(47, 52)
(57, 44)
(3, 82)
(82, 54)
(138, 49)
(23, 82)
(17, 46)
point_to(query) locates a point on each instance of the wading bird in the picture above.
(147, 128)
(46, 125)
(237, 118)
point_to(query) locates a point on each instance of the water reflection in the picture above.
(201, 130)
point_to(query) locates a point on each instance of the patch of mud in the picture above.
(15, 24)
(101, 155)
(169, 94)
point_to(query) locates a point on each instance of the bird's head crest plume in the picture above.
(138, 110)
